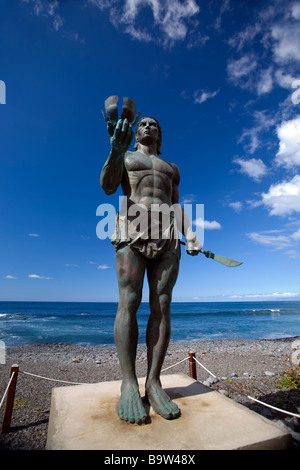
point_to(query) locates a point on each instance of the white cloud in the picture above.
(103, 266)
(273, 32)
(212, 225)
(245, 72)
(50, 9)
(225, 7)
(265, 82)
(101, 4)
(296, 235)
(188, 198)
(254, 168)
(255, 137)
(47, 9)
(36, 276)
(244, 36)
(295, 10)
(137, 33)
(281, 239)
(57, 22)
(169, 18)
(277, 242)
(208, 225)
(286, 42)
(262, 296)
(285, 80)
(197, 39)
(9, 277)
(200, 96)
(36, 235)
(283, 198)
(238, 69)
(288, 134)
(71, 265)
(236, 205)
(294, 254)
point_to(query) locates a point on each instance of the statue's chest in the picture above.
(139, 162)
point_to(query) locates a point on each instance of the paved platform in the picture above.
(84, 417)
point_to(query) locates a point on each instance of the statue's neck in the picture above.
(147, 149)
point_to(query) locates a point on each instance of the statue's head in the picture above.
(159, 136)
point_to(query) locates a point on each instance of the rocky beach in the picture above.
(244, 368)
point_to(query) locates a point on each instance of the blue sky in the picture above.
(219, 77)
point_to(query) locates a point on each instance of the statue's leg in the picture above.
(162, 275)
(130, 266)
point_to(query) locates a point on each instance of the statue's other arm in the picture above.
(120, 139)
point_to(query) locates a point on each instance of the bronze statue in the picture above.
(147, 181)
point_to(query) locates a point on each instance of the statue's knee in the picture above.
(131, 301)
(165, 300)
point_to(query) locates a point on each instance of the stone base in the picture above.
(84, 417)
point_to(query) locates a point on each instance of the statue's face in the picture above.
(147, 130)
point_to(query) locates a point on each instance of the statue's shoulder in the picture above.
(129, 156)
(134, 161)
(135, 155)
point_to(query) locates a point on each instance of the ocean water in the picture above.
(92, 323)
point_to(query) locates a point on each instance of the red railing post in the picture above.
(10, 398)
(192, 364)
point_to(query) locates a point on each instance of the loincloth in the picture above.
(150, 236)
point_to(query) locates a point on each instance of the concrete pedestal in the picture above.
(84, 417)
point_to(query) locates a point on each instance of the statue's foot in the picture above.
(160, 401)
(130, 406)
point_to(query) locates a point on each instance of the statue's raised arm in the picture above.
(120, 139)
(120, 134)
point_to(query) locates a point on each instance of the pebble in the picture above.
(224, 392)
(211, 380)
(269, 374)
